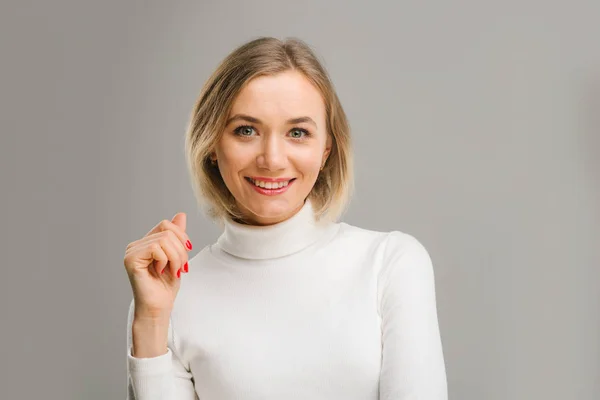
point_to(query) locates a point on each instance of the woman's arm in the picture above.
(413, 363)
(157, 371)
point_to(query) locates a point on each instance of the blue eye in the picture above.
(242, 130)
(246, 131)
(301, 131)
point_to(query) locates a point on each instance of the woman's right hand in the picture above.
(154, 264)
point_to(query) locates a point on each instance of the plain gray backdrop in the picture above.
(476, 127)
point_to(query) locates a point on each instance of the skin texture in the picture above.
(274, 148)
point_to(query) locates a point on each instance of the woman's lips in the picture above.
(270, 192)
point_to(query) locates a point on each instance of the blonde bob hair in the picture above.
(265, 56)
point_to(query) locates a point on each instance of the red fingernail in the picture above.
(179, 273)
(188, 244)
(163, 271)
(185, 267)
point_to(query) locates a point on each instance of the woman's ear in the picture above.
(325, 156)
(328, 145)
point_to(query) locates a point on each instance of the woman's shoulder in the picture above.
(392, 239)
(390, 245)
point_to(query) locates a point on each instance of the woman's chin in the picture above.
(269, 211)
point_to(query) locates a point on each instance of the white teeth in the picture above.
(270, 185)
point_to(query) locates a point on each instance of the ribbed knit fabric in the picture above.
(300, 310)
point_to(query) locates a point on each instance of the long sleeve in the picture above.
(412, 362)
(157, 378)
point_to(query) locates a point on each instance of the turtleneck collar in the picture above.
(257, 242)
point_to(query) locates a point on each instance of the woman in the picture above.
(288, 303)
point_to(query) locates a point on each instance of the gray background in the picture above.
(476, 126)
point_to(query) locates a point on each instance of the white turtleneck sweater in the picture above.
(300, 310)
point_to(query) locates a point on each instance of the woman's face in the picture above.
(275, 131)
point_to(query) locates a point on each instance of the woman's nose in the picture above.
(273, 155)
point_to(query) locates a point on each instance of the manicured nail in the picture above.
(163, 271)
(185, 267)
(179, 273)
(188, 244)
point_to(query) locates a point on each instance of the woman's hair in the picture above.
(265, 56)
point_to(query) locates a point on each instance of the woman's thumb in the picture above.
(180, 220)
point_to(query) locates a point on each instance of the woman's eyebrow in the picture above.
(248, 118)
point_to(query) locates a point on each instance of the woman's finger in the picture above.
(166, 225)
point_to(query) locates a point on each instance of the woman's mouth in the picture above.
(270, 188)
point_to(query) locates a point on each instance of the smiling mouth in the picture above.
(269, 185)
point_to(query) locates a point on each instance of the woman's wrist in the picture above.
(150, 337)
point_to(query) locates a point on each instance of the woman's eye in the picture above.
(244, 130)
(299, 133)
(247, 131)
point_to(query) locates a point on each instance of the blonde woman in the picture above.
(288, 303)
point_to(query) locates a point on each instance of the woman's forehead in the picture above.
(283, 96)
